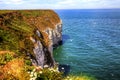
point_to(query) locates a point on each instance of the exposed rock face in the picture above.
(37, 32)
(42, 53)
(55, 36)
(38, 51)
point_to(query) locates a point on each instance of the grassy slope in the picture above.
(16, 28)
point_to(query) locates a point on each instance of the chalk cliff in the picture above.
(32, 33)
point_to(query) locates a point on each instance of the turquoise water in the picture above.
(91, 42)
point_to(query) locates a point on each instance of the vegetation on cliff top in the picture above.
(17, 26)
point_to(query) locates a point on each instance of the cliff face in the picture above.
(44, 54)
(32, 33)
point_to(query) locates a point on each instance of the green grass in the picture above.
(53, 74)
(79, 77)
(21, 26)
(8, 40)
(5, 11)
(4, 58)
(49, 74)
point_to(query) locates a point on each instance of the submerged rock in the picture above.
(64, 68)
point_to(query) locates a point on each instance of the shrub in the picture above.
(49, 74)
(4, 58)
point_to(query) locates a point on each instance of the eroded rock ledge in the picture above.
(31, 32)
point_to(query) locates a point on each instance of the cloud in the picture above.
(59, 4)
(66, 2)
(82, 4)
(13, 1)
(77, 1)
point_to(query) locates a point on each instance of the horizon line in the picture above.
(61, 9)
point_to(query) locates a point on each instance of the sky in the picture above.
(59, 4)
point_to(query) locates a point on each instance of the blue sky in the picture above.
(58, 4)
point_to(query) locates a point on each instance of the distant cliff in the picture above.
(31, 33)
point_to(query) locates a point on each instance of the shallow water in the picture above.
(91, 42)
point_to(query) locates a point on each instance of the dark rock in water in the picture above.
(56, 45)
(64, 68)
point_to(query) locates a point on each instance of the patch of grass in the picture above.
(28, 62)
(14, 70)
(5, 11)
(6, 57)
(79, 77)
(49, 74)
(21, 26)
(9, 40)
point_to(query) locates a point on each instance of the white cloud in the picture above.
(66, 2)
(76, 1)
(90, 4)
(16, 1)
(60, 4)
(13, 1)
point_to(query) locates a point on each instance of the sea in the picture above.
(91, 42)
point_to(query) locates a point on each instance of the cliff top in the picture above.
(40, 18)
(17, 25)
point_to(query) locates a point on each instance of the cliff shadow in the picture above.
(65, 37)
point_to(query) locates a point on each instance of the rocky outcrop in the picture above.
(55, 36)
(44, 55)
